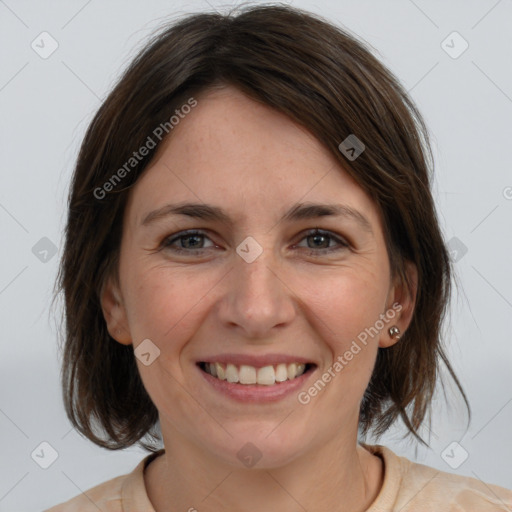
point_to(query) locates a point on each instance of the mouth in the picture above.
(246, 375)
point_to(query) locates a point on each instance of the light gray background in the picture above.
(45, 107)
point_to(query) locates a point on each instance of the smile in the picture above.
(246, 374)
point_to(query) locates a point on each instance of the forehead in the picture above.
(245, 156)
(235, 131)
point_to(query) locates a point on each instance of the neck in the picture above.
(339, 476)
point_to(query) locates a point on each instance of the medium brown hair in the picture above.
(326, 80)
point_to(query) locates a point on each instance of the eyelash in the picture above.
(167, 242)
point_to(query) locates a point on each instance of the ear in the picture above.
(114, 312)
(401, 300)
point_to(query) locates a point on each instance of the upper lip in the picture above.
(254, 360)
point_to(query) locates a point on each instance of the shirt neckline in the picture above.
(135, 498)
(392, 481)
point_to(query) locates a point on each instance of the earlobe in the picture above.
(114, 313)
(390, 336)
(403, 297)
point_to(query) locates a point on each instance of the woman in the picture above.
(254, 267)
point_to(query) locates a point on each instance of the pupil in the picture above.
(189, 237)
(316, 238)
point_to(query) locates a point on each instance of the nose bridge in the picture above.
(257, 298)
(257, 277)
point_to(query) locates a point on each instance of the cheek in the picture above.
(163, 306)
(346, 302)
(162, 303)
(347, 307)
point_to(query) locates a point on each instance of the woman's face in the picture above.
(254, 288)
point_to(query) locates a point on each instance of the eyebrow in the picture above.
(300, 211)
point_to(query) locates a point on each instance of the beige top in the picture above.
(407, 487)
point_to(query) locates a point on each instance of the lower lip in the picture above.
(257, 392)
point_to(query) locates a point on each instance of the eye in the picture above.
(190, 241)
(320, 242)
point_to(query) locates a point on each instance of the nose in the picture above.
(257, 299)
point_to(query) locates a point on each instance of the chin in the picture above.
(259, 448)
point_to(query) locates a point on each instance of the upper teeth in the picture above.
(245, 374)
